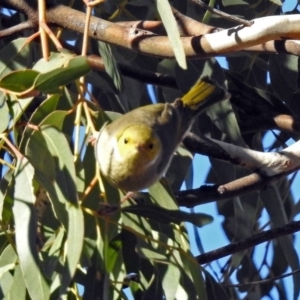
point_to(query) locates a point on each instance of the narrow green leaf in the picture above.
(42, 112)
(54, 252)
(48, 106)
(74, 244)
(118, 276)
(6, 268)
(170, 278)
(4, 113)
(110, 64)
(55, 118)
(193, 272)
(6, 196)
(5, 284)
(17, 108)
(278, 217)
(26, 231)
(8, 256)
(254, 98)
(14, 56)
(167, 17)
(55, 171)
(166, 216)
(113, 253)
(162, 195)
(224, 118)
(182, 161)
(18, 287)
(214, 289)
(52, 80)
(19, 81)
(208, 13)
(148, 253)
(55, 61)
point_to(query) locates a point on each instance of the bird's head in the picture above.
(140, 145)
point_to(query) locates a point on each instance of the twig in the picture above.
(43, 23)
(238, 187)
(249, 242)
(258, 282)
(223, 14)
(17, 28)
(265, 122)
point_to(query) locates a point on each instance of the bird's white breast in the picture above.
(105, 151)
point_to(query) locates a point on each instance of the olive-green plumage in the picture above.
(135, 150)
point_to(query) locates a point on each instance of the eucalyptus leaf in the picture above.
(168, 19)
(5, 284)
(6, 196)
(56, 60)
(8, 257)
(166, 216)
(56, 173)
(47, 107)
(19, 81)
(113, 253)
(170, 277)
(148, 253)
(279, 218)
(161, 194)
(26, 231)
(18, 287)
(214, 289)
(14, 56)
(57, 244)
(50, 81)
(191, 275)
(4, 113)
(6, 268)
(110, 64)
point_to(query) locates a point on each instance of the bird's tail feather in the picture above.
(204, 93)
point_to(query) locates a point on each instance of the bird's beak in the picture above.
(141, 147)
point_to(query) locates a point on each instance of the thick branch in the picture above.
(234, 39)
(222, 42)
(269, 168)
(265, 163)
(283, 46)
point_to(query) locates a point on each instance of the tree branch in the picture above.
(265, 163)
(17, 28)
(269, 168)
(249, 242)
(264, 281)
(265, 122)
(230, 40)
(211, 193)
(155, 78)
(222, 14)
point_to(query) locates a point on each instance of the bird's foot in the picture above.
(93, 139)
(127, 196)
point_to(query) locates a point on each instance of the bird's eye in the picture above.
(125, 140)
(151, 146)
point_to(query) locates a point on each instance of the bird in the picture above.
(135, 150)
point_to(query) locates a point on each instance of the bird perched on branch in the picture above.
(135, 150)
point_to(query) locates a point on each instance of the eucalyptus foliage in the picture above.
(63, 233)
